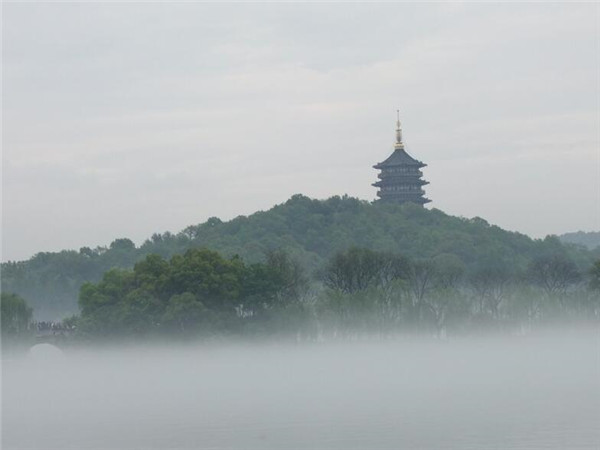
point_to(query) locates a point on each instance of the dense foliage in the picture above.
(312, 231)
(363, 292)
(15, 316)
(199, 293)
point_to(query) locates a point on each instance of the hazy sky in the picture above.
(121, 120)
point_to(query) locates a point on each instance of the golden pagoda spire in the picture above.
(399, 143)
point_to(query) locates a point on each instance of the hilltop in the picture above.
(310, 230)
(589, 239)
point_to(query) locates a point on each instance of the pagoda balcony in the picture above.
(401, 193)
(400, 181)
(404, 185)
(397, 177)
(418, 199)
(382, 175)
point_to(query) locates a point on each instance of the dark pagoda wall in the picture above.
(401, 183)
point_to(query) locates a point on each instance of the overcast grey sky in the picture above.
(121, 120)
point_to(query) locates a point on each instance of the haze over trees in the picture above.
(361, 293)
(336, 267)
(199, 293)
(589, 239)
(15, 318)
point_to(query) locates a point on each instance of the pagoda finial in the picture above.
(399, 143)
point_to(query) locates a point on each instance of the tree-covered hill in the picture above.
(589, 239)
(310, 230)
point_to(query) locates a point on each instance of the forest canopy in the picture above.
(310, 231)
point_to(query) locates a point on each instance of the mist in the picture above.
(233, 109)
(539, 391)
(303, 297)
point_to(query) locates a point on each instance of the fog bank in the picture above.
(509, 393)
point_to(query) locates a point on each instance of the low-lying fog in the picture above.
(510, 393)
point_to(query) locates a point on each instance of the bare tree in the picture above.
(292, 275)
(421, 278)
(490, 285)
(359, 269)
(448, 273)
(554, 274)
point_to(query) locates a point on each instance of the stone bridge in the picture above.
(54, 335)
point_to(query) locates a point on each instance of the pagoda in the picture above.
(400, 179)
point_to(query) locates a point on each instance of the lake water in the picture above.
(512, 393)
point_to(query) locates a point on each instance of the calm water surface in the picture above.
(513, 393)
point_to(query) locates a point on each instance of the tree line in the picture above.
(387, 294)
(311, 231)
(357, 293)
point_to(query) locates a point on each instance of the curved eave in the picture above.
(399, 183)
(383, 165)
(403, 199)
(402, 179)
(399, 157)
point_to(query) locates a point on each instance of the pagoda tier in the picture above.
(418, 199)
(400, 178)
(407, 183)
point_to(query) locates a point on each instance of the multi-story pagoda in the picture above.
(400, 179)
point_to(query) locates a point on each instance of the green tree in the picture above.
(185, 314)
(214, 280)
(594, 283)
(191, 294)
(15, 316)
(122, 244)
(139, 313)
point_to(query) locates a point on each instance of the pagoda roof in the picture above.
(399, 158)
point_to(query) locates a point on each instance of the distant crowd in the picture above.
(45, 328)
